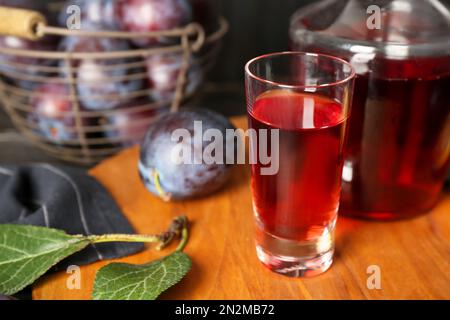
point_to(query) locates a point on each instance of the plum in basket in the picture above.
(52, 112)
(95, 14)
(163, 71)
(100, 82)
(20, 70)
(126, 126)
(152, 15)
(162, 168)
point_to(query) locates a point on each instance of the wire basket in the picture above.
(83, 135)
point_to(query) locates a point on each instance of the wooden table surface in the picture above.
(413, 256)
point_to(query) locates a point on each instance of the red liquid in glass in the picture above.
(398, 150)
(302, 199)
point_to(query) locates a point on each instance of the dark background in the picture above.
(256, 27)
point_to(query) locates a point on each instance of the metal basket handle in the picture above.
(21, 23)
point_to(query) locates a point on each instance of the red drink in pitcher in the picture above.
(397, 156)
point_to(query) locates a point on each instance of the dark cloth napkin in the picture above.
(64, 198)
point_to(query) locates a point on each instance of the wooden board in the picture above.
(413, 255)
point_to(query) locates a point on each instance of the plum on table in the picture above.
(170, 179)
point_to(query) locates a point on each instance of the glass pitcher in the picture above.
(398, 148)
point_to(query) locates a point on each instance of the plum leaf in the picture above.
(122, 281)
(27, 252)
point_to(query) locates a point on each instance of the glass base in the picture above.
(294, 258)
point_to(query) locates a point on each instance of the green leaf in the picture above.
(122, 281)
(27, 252)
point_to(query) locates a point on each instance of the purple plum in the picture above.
(172, 179)
(129, 125)
(97, 80)
(52, 112)
(163, 71)
(95, 14)
(15, 66)
(153, 15)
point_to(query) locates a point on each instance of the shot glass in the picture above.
(298, 105)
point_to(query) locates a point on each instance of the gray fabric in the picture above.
(64, 198)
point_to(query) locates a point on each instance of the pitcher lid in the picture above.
(394, 28)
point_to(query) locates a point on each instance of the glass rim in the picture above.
(302, 53)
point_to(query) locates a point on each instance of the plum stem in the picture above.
(124, 238)
(184, 237)
(178, 228)
(163, 195)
